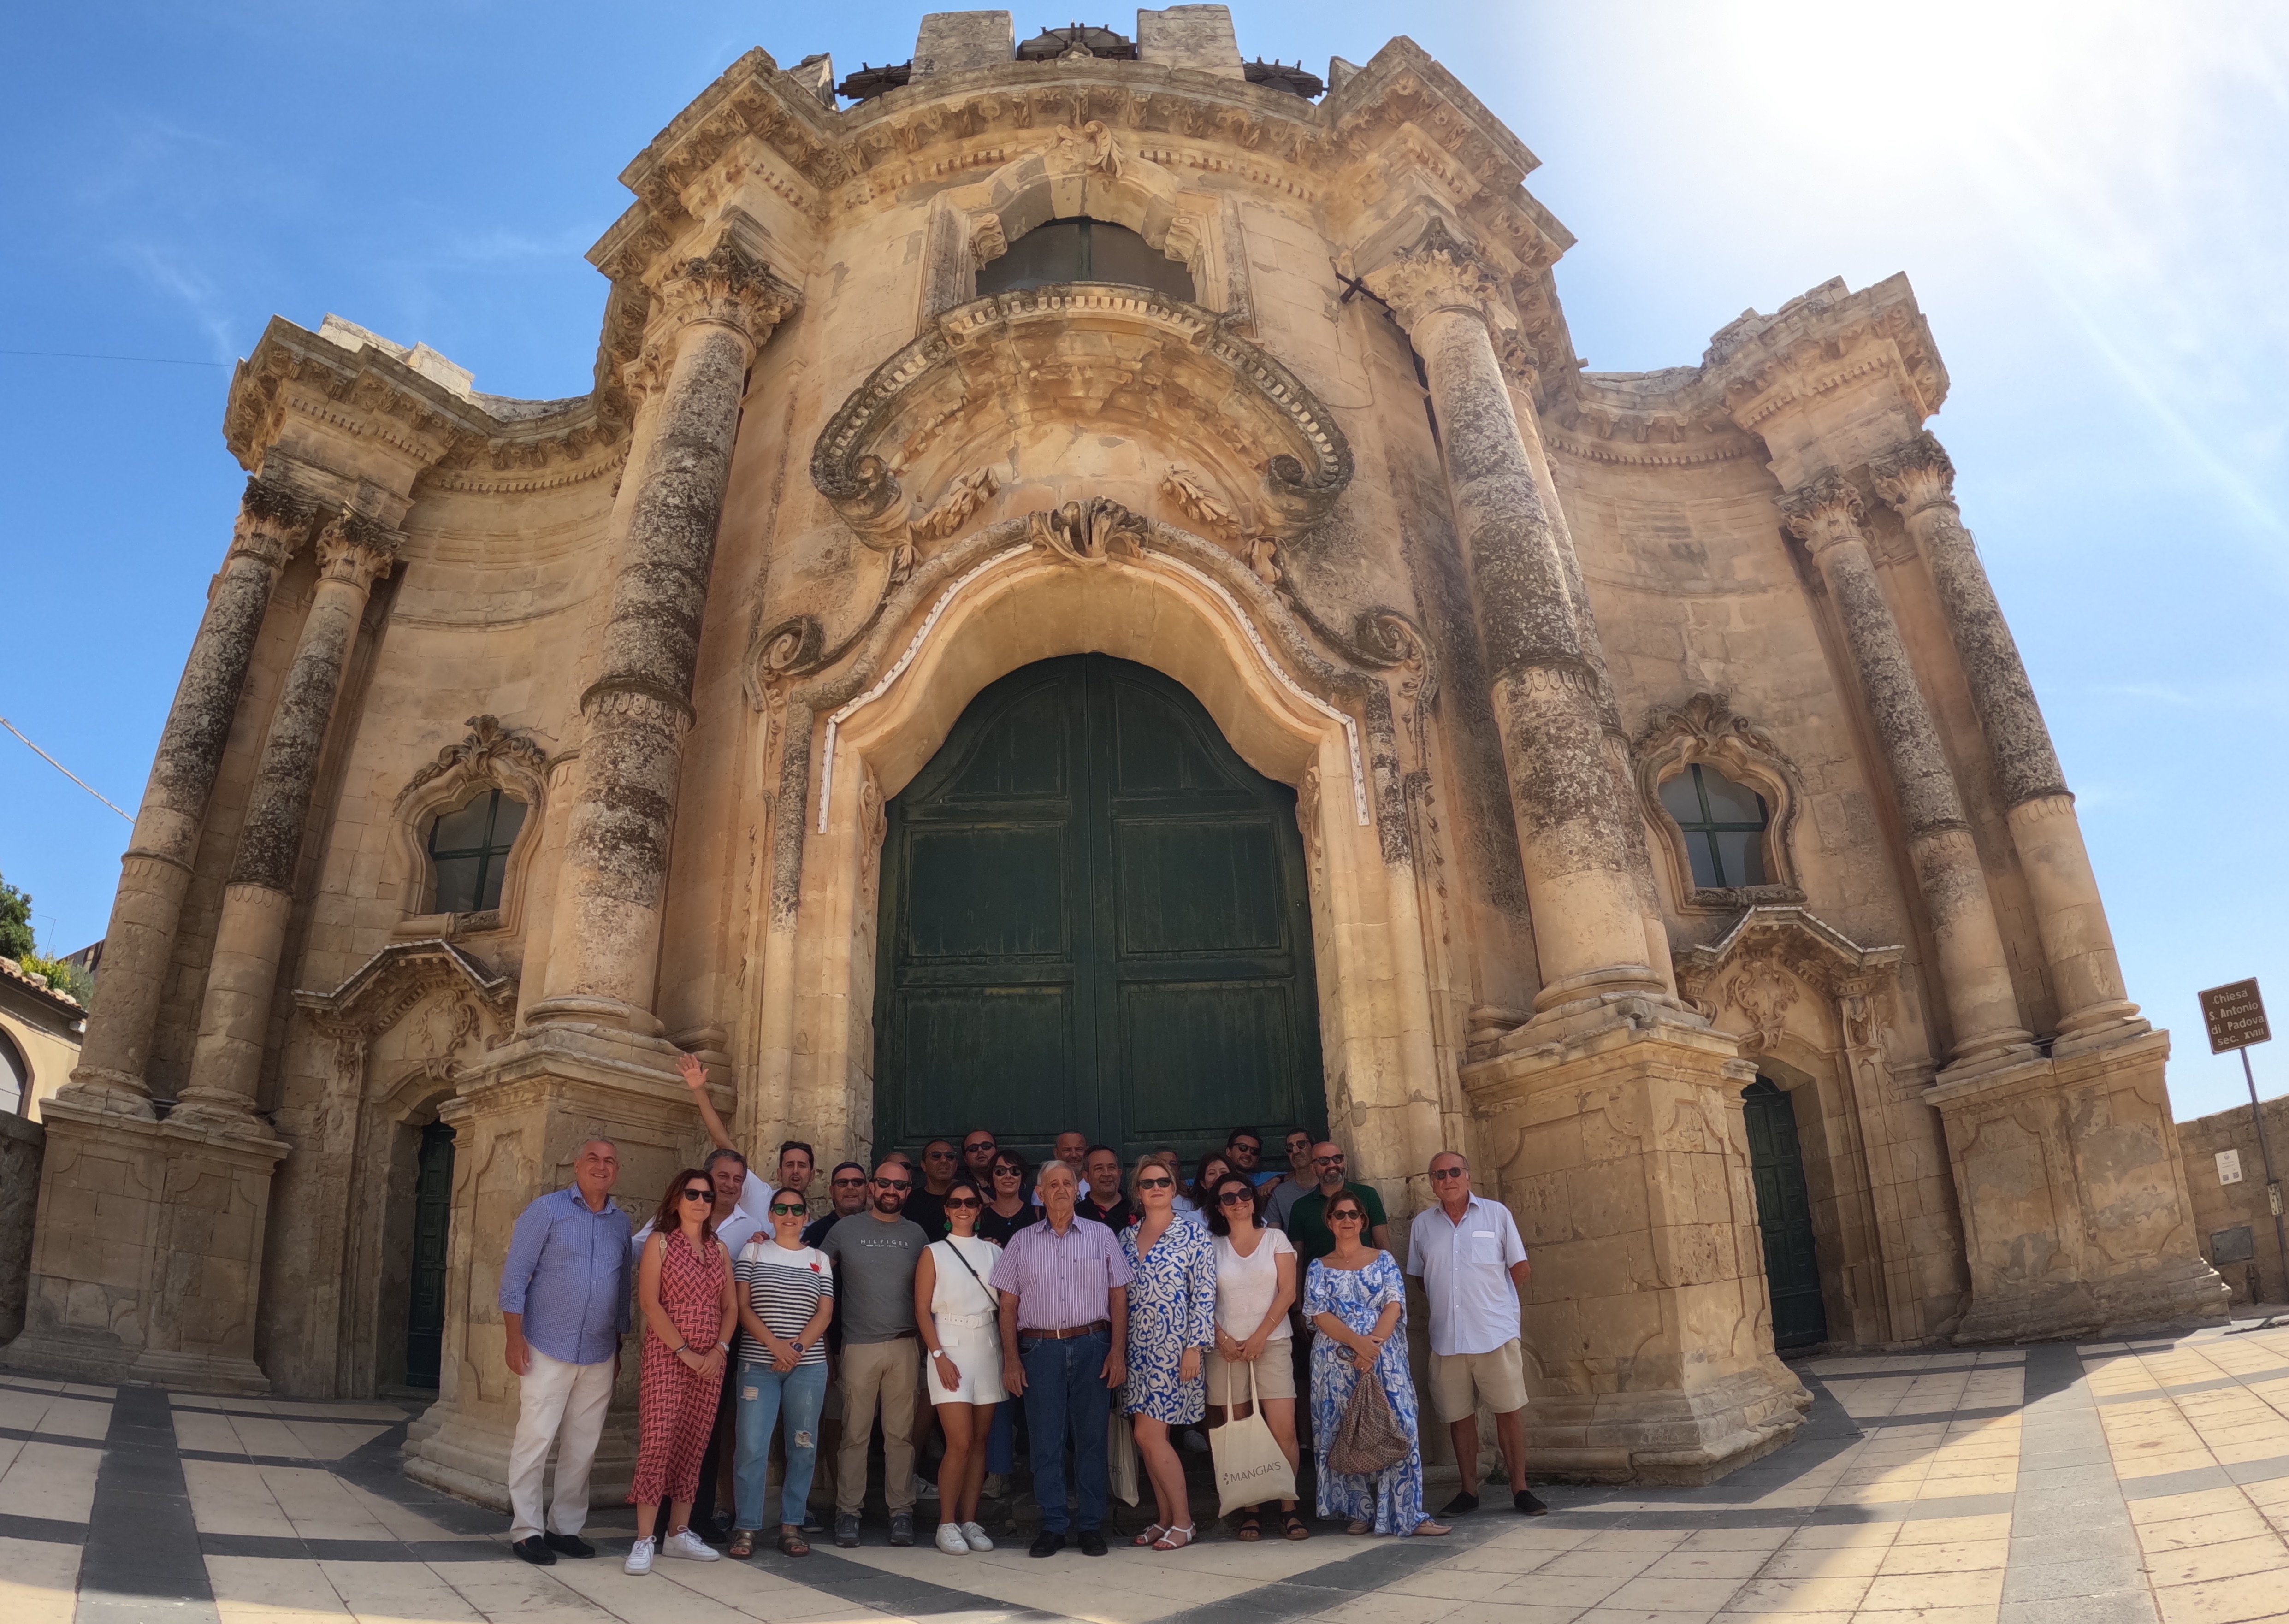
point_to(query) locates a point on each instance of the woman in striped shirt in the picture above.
(786, 1297)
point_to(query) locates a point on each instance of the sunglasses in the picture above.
(1235, 1198)
(788, 1212)
(1347, 1216)
(1449, 1172)
(894, 1184)
(962, 1203)
(700, 1195)
(1003, 1170)
(1327, 1161)
(852, 1179)
(983, 1144)
(1248, 1145)
(1159, 1183)
(937, 1156)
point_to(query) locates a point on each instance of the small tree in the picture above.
(63, 975)
(16, 940)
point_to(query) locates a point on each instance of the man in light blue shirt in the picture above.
(564, 1308)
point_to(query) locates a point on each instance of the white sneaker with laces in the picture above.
(975, 1537)
(689, 1545)
(640, 1555)
(950, 1539)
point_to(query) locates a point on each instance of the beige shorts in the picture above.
(1275, 1376)
(1460, 1381)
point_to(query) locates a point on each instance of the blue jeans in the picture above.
(1067, 1400)
(761, 1393)
(1002, 1440)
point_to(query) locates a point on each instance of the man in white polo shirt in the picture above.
(1471, 1260)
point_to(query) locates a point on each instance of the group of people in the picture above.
(952, 1291)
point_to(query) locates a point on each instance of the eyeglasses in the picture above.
(1159, 1183)
(1235, 1198)
(955, 1204)
(787, 1211)
(1450, 1173)
(707, 1196)
(1327, 1161)
(894, 1184)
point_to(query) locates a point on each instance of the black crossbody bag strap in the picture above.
(992, 1304)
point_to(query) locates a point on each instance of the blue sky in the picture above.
(2088, 197)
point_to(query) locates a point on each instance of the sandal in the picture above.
(1251, 1527)
(1174, 1539)
(742, 1545)
(1427, 1529)
(1151, 1536)
(1359, 1526)
(792, 1543)
(1296, 1528)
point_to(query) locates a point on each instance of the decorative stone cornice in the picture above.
(487, 742)
(1822, 511)
(354, 549)
(400, 976)
(1915, 474)
(1809, 948)
(731, 287)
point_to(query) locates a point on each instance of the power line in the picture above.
(66, 771)
(156, 360)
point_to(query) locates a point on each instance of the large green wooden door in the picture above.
(1784, 1215)
(1093, 916)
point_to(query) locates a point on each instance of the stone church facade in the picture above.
(996, 494)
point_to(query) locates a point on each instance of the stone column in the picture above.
(1916, 478)
(1574, 822)
(352, 553)
(602, 959)
(273, 521)
(1824, 513)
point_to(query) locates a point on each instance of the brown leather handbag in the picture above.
(1369, 1439)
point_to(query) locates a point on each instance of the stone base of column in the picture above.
(518, 1124)
(2077, 1219)
(1647, 1325)
(147, 1254)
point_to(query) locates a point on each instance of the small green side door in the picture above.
(1093, 915)
(1784, 1215)
(433, 1210)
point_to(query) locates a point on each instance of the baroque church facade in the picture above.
(1091, 589)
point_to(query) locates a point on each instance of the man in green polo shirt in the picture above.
(1307, 1224)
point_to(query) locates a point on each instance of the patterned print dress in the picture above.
(676, 1406)
(1392, 1500)
(1171, 1307)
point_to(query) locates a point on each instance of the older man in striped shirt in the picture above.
(1065, 1336)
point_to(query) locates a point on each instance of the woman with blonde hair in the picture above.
(1171, 1324)
(690, 1307)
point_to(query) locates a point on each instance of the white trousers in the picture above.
(560, 1403)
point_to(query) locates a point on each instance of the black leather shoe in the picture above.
(846, 1529)
(1047, 1544)
(1461, 1505)
(1092, 1542)
(534, 1549)
(1528, 1505)
(568, 1544)
(902, 1528)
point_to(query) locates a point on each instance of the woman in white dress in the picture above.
(956, 1313)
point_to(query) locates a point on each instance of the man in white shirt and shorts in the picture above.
(1471, 1260)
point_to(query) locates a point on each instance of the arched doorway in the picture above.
(1783, 1216)
(1094, 915)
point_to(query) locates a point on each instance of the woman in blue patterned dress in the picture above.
(1171, 1325)
(1356, 1298)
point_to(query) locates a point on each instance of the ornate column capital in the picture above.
(1822, 511)
(274, 522)
(1437, 273)
(730, 288)
(356, 550)
(1914, 474)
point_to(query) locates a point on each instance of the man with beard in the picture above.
(875, 1253)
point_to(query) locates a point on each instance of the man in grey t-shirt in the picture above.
(874, 1252)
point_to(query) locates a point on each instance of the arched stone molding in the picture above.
(1190, 423)
(491, 756)
(405, 1029)
(1165, 599)
(1815, 1012)
(1706, 730)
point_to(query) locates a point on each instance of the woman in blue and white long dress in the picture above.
(1171, 1325)
(1356, 1297)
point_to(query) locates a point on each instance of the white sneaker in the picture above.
(976, 1537)
(689, 1545)
(950, 1539)
(640, 1555)
(925, 1489)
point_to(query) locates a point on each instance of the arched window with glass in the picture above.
(1724, 825)
(1084, 250)
(468, 852)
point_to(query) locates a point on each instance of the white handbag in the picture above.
(1120, 1455)
(1250, 1468)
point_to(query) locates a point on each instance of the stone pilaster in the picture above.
(1824, 513)
(234, 1015)
(602, 961)
(273, 521)
(1916, 478)
(1578, 832)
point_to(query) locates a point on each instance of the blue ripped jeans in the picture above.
(762, 1392)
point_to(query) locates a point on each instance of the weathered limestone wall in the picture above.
(2219, 1206)
(21, 1141)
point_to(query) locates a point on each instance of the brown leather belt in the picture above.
(1091, 1329)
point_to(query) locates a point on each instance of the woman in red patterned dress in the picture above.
(690, 1307)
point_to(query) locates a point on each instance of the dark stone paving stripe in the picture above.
(1911, 1375)
(46, 1530)
(2074, 1554)
(232, 1457)
(1794, 1517)
(1932, 1418)
(141, 1562)
(2210, 1385)
(2229, 1475)
(42, 1387)
(349, 1550)
(329, 1421)
(49, 1438)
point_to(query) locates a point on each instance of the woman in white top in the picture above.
(1255, 1286)
(957, 1314)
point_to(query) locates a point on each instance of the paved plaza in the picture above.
(2048, 1484)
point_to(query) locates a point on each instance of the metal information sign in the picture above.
(2236, 1016)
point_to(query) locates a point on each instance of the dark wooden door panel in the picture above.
(1003, 1056)
(1204, 1053)
(1211, 886)
(985, 892)
(433, 1207)
(1783, 1216)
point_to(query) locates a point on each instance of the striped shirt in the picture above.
(785, 1288)
(1061, 1281)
